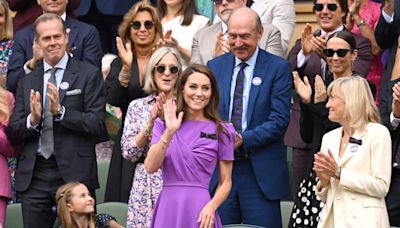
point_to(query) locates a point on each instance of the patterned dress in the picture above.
(5, 53)
(371, 12)
(145, 186)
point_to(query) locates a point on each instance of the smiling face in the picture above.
(336, 107)
(81, 202)
(329, 20)
(340, 66)
(197, 93)
(53, 6)
(52, 39)
(165, 82)
(143, 36)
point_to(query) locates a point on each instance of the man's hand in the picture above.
(221, 45)
(36, 107)
(52, 94)
(37, 55)
(238, 141)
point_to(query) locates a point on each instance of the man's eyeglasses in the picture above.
(219, 2)
(319, 7)
(137, 24)
(340, 52)
(172, 69)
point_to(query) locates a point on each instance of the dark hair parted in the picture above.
(188, 10)
(48, 17)
(211, 110)
(346, 36)
(124, 29)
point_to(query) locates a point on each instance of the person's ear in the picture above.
(70, 207)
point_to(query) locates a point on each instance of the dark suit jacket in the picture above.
(107, 7)
(313, 67)
(74, 136)
(28, 10)
(267, 118)
(386, 36)
(84, 42)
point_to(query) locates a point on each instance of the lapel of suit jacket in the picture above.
(69, 78)
(261, 64)
(73, 33)
(226, 81)
(352, 149)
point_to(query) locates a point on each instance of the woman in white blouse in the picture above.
(180, 23)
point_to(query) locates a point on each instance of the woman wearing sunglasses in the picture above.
(187, 145)
(180, 22)
(162, 72)
(139, 33)
(340, 54)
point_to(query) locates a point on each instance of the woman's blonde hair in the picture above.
(5, 110)
(124, 30)
(360, 108)
(63, 197)
(149, 85)
(8, 28)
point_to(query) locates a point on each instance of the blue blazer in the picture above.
(267, 118)
(83, 41)
(107, 7)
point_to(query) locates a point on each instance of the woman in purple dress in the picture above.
(187, 146)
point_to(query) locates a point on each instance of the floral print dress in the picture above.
(145, 187)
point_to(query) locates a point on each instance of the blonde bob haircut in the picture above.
(8, 28)
(124, 30)
(149, 86)
(360, 108)
(63, 198)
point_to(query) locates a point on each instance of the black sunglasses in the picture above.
(340, 52)
(172, 69)
(219, 2)
(319, 7)
(137, 24)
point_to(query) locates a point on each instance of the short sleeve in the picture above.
(103, 219)
(158, 130)
(225, 143)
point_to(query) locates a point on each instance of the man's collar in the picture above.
(62, 64)
(251, 61)
(64, 16)
(340, 28)
(224, 28)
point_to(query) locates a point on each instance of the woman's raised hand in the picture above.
(172, 121)
(126, 55)
(303, 89)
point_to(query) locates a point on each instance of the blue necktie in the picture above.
(237, 108)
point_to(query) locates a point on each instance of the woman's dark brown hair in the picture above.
(188, 10)
(211, 110)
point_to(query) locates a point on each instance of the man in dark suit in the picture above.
(307, 59)
(387, 34)
(255, 88)
(84, 44)
(57, 119)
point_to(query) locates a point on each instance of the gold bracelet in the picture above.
(165, 143)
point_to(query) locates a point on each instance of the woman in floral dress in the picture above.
(162, 72)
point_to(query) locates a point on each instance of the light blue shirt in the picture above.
(248, 77)
(61, 65)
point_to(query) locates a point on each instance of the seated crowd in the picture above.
(208, 106)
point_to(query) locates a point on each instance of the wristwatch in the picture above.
(59, 112)
(338, 172)
(361, 24)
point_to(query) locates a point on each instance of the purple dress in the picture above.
(188, 166)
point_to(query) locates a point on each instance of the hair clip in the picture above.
(355, 141)
(208, 136)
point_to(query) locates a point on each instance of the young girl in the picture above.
(75, 208)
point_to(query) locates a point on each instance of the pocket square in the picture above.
(73, 92)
